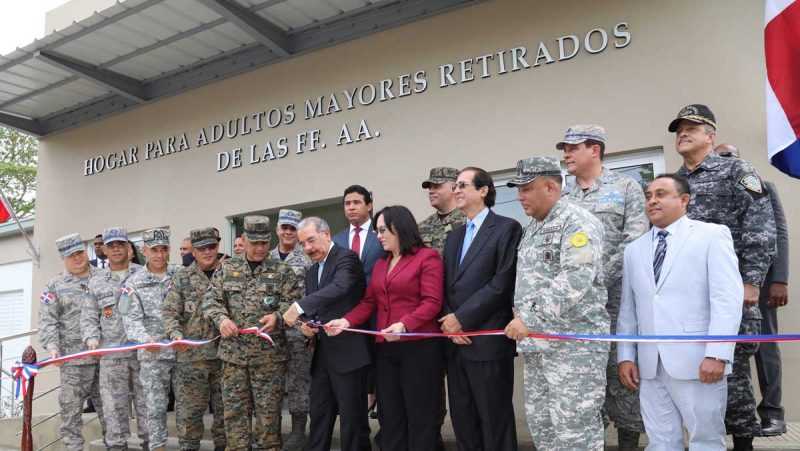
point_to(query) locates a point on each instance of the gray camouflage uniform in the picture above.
(728, 191)
(59, 331)
(140, 306)
(618, 202)
(560, 289)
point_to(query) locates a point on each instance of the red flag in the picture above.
(5, 210)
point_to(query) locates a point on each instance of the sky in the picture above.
(22, 21)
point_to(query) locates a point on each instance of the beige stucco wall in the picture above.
(14, 249)
(73, 11)
(681, 52)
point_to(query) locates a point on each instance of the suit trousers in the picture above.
(669, 405)
(409, 387)
(768, 363)
(342, 394)
(481, 403)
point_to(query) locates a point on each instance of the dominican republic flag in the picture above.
(5, 209)
(782, 51)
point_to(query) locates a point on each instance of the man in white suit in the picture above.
(681, 278)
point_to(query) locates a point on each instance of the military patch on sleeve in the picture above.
(751, 182)
(47, 298)
(579, 239)
(126, 291)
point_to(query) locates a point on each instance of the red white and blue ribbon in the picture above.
(23, 374)
(782, 56)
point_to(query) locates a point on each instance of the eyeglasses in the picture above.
(462, 185)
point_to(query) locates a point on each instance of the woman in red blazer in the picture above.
(407, 290)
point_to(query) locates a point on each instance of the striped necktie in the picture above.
(661, 252)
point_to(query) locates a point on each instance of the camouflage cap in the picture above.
(289, 217)
(581, 132)
(156, 237)
(697, 113)
(70, 244)
(440, 175)
(112, 234)
(204, 237)
(530, 168)
(256, 228)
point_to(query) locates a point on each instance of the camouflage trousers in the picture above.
(119, 383)
(253, 391)
(78, 383)
(195, 384)
(621, 404)
(158, 377)
(740, 415)
(563, 399)
(298, 377)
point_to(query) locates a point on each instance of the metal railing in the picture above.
(3, 340)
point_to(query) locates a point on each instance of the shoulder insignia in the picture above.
(579, 239)
(47, 297)
(126, 291)
(752, 183)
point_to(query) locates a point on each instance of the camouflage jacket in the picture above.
(60, 315)
(618, 202)
(434, 229)
(183, 317)
(297, 260)
(728, 191)
(560, 286)
(244, 297)
(140, 302)
(100, 316)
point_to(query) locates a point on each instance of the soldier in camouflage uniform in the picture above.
(298, 378)
(618, 202)
(198, 377)
(101, 326)
(140, 306)
(60, 334)
(435, 228)
(728, 191)
(252, 291)
(559, 289)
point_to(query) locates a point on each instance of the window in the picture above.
(641, 165)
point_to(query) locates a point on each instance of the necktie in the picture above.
(467, 240)
(319, 272)
(661, 252)
(356, 244)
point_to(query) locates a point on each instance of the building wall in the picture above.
(680, 52)
(73, 10)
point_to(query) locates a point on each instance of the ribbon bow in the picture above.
(23, 373)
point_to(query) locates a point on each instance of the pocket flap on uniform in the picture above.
(106, 298)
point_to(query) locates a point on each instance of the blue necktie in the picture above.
(467, 240)
(319, 272)
(661, 252)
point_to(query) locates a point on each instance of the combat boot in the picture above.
(297, 438)
(742, 443)
(628, 440)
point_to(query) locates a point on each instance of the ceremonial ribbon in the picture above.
(24, 372)
(778, 338)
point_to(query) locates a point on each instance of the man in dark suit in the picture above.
(359, 236)
(334, 285)
(480, 271)
(101, 261)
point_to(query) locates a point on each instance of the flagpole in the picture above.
(34, 254)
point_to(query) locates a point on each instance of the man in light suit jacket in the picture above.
(681, 278)
(480, 271)
(334, 286)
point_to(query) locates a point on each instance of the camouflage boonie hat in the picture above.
(156, 237)
(112, 234)
(580, 133)
(204, 237)
(440, 175)
(530, 168)
(696, 113)
(70, 244)
(289, 217)
(256, 228)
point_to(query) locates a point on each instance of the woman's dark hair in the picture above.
(138, 259)
(401, 222)
(481, 179)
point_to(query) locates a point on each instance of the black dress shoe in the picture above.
(772, 427)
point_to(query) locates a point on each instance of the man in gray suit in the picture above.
(775, 294)
(668, 289)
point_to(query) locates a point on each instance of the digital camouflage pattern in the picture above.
(435, 228)
(560, 289)
(78, 383)
(195, 382)
(298, 377)
(618, 202)
(740, 416)
(253, 390)
(158, 376)
(117, 376)
(183, 315)
(101, 321)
